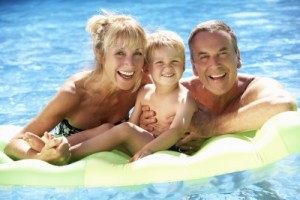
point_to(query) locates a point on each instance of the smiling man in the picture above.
(228, 102)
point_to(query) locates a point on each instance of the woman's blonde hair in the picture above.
(107, 28)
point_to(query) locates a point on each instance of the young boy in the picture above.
(165, 61)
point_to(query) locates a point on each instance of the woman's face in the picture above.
(123, 64)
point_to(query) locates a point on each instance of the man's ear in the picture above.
(195, 70)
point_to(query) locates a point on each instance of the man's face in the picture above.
(215, 61)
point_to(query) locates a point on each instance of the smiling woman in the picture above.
(92, 99)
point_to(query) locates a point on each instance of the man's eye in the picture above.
(203, 57)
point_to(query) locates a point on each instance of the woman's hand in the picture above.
(34, 141)
(53, 150)
(56, 151)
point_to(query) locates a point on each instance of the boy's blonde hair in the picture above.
(163, 38)
(106, 29)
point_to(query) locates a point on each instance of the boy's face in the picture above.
(166, 66)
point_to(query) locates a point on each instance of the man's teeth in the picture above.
(217, 76)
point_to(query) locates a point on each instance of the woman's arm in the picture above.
(54, 112)
(137, 109)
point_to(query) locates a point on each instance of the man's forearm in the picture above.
(251, 116)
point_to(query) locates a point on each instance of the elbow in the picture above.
(12, 148)
(288, 103)
(8, 151)
(292, 106)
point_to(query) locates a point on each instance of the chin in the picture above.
(125, 87)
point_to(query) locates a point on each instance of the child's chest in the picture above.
(164, 107)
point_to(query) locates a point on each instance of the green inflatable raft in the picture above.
(239, 156)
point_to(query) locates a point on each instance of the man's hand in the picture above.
(200, 129)
(147, 118)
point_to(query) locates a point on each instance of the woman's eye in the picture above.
(138, 53)
(120, 53)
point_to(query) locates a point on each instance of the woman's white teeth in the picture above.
(126, 73)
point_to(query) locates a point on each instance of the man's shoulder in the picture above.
(187, 81)
(256, 80)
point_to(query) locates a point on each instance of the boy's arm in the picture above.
(178, 127)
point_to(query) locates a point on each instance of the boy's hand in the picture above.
(140, 154)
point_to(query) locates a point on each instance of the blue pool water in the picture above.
(43, 42)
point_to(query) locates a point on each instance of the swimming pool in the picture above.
(44, 42)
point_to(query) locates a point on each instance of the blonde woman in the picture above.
(90, 99)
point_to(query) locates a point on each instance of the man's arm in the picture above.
(262, 99)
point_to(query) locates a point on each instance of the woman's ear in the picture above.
(146, 69)
(239, 61)
(99, 55)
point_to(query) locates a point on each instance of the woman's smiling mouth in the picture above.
(126, 75)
